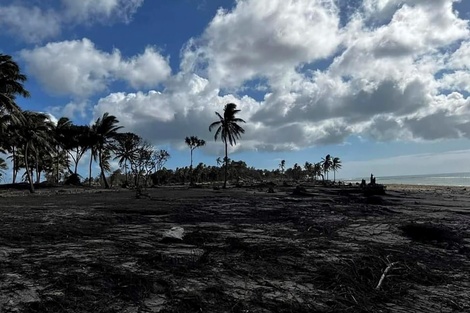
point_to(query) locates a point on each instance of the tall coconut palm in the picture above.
(309, 169)
(11, 84)
(76, 144)
(35, 135)
(3, 168)
(193, 143)
(335, 165)
(92, 144)
(282, 166)
(317, 170)
(104, 130)
(228, 130)
(10, 140)
(61, 132)
(326, 165)
(125, 149)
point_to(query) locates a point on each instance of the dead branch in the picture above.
(382, 278)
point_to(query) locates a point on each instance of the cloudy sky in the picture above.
(382, 84)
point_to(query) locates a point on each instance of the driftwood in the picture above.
(384, 274)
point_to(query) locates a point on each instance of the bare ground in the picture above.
(85, 250)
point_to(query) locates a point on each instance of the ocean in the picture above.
(450, 179)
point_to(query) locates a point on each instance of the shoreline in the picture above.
(411, 187)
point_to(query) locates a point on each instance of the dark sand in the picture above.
(82, 250)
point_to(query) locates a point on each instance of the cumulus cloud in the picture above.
(37, 21)
(392, 70)
(378, 76)
(31, 22)
(260, 38)
(78, 68)
(102, 11)
(187, 104)
(71, 110)
(459, 59)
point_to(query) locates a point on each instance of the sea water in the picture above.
(450, 179)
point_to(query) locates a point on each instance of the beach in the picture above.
(325, 249)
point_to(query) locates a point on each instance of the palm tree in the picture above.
(317, 170)
(125, 149)
(76, 143)
(11, 84)
(282, 166)
(219, 161)
(105, 129)
(335, 165)
(10, 140)
(157, 162)
(326, 165)
(309, 168)
(229, 130)
(61, 135)
(91, 143)
(193, 143)
(3, 168)
(35, 135)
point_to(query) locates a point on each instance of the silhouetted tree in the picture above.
(35, 135)
(228, 130)
(335, 165)
(3, 168)
(105, 129)
(326, 165)
(282, 166)
(193, 143)
(125, 148)
(11, 85)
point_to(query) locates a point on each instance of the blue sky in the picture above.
(382, 84)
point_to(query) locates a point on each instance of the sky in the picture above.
(382, 84)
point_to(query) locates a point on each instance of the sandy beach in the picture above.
(244, 250)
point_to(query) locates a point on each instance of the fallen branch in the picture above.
(389, 267)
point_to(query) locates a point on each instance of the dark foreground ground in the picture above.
(69, 250)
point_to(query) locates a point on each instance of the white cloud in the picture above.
(77, 68)
(377, 75)
(39, 21)
(322, 80)
(31, 23)
(71, 110)
(458, 81)
(101, 10)
(460, 58)
(259, 38)
(145, 70)
(186, 106)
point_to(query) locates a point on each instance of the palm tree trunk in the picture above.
(191, 180)
(28, 173)
(89, 167)
(76, 164)
(226, 164)
(334, 175)
(57, 169)
(125, 172)
(15, 172)
(38, 173)
(76, 168)
(103, 176)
